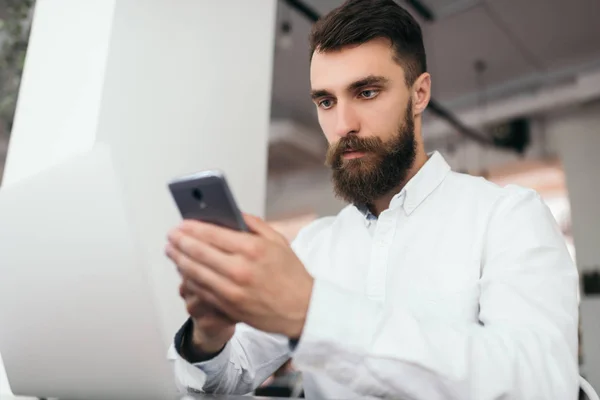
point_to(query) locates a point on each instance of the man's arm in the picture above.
(245, 362)
(525, 346)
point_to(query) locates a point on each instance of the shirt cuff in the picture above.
(193, 376)
(338, 321)
(189, 378)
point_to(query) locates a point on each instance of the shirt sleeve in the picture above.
(524, 346)
(247, 360)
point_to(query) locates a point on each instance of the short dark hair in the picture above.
(359, 21)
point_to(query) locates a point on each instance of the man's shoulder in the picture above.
(493, 206)
(480, 190)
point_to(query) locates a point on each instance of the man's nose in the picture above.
(347, 121)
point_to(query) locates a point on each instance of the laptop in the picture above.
(78, 315)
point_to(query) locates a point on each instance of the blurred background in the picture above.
(501, 69)
(516, 99)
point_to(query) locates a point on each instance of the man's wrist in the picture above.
(193, 353)
(201, 344)
(195, 350)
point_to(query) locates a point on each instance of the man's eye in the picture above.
(325, 104)
(368, 94)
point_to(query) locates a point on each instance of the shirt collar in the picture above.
(425, 181)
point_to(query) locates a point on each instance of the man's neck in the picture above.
(383, 203)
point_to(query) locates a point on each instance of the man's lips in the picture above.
(350, 154)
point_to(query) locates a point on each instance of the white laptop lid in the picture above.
(77, 318)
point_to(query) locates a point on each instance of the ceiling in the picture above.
(524, 45)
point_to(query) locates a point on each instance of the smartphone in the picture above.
(206, 196)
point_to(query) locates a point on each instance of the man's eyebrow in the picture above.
(371, 80)
(315, 94)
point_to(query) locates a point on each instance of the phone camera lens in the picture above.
(197, 193)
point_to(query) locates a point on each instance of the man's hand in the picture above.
(212, 329)
(253, 277)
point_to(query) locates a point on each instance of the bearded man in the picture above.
(430, 284)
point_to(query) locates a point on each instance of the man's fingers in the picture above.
(203, 253)
(215, 288)
(214, 324)
(195, 240)
(206, 314)
(227, 240)
(261, 228)
(221, 309)
(200, 298)
(198, 304)
(196, 307)
(189, 288)
(192, 288)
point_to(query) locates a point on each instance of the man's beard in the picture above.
(383, 167)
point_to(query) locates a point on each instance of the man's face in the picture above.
(365, 111)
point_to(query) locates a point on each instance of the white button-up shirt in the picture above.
(460, 290)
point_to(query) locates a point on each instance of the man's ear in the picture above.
(421, 93)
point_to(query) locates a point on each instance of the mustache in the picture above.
(351, 143)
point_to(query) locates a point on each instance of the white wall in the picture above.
(576, 137)
(575, 134)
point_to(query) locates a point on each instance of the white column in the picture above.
(576, 137)
(169, 87)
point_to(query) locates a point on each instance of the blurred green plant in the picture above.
(15, 23)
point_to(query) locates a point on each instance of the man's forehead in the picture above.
(337, 69)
